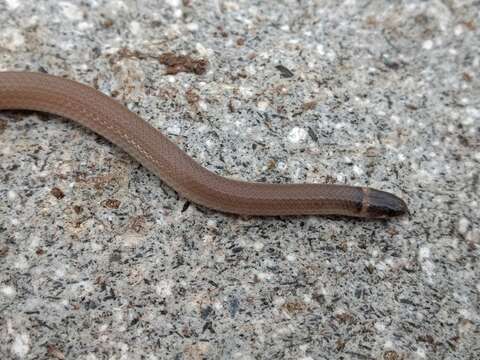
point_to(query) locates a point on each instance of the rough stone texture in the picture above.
(100, 260)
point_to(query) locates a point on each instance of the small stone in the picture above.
(21, 345)
(78, 209)
(391, 355)
(11, 39)
(174, 3)
(174, 130)
(428, 45)
(13, 4)
(135, 27)
(57, 193)
(54, 352)
(164, 288)
(297, 135)
(71, 11)
(11, 195)
(262, 105)
(3, 251)
(8, 291)
(112, 203)
(424, 252)
(192, 27)
(357, 170)
(258, 246)
(463, 225)
(458, 30)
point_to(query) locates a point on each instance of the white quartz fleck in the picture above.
(380, 326)
(264, 276)
(258, 246)
(91, 356)
(463, 225)
(13, 4)
(8, 291)
(331, 55)
(230, 5)
(246, 92)
(34, 242)
(458, 30)
(427, 265)
(212, 224)
(424, 252)
(357, 170)
(209, 143)
(473, 112)
(278, 301)
(427, 45)
(297, 134)
(21, 345)
(174, 3)
(420, 353)
(21, 262)
(164, 288)
(11, 195)
(135, 27)
(131, 239)
(202, 50)
(192, 27)
(71, 11)
(174, 130)
(202, 105)
(320, 49)
(82, 26)
(262, 105)
(11, 39)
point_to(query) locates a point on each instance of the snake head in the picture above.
(381, 204)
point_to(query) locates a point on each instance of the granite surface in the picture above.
(101, 260)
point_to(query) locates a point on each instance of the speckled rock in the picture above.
(101, 260)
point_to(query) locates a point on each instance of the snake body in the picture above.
(103, 115)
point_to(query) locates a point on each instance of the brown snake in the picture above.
(103, 115)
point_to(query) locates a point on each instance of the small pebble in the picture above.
(8, 291)
(71, 11)
(13, 4)
(21, 345)
(427, 45)
(297, 135)
(463, 225)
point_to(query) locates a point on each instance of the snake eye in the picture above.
(382, 204)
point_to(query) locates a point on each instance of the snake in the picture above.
(41, 92)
